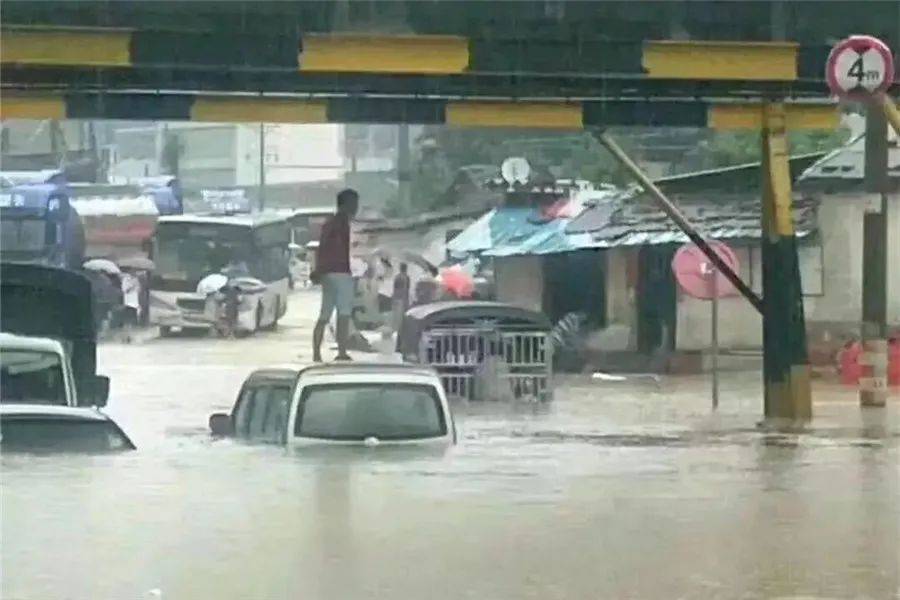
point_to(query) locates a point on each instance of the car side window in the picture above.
(277, 415)
(244, 411)
(258, 413)
(262, 413)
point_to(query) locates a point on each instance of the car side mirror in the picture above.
(220, 425)
(100, 391)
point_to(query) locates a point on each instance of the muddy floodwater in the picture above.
(615, 490)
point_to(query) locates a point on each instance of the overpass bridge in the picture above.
(561, 64)
(550, 64)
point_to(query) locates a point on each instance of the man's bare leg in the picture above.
(318, 334)
(343, 331)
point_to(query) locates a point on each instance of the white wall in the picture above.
(520, 280)
(841, 232)
(740, 326)
(837, 301)
(893, 252)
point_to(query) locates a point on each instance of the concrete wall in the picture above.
(833, 307)
(520, 280)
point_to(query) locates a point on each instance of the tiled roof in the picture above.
(633, 220)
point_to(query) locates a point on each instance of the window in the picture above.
(31, 377)
(812, 274)
(262, 413)
(271, 263)
(358, 411)
(42, 434)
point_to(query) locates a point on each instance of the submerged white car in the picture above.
(355, 403)
(43, 428)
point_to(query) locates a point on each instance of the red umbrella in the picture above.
(458, 282)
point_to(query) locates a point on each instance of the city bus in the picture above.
(188, 248)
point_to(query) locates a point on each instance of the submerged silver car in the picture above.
(370, 404)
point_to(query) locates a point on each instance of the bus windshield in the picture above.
(190, 259)
(187, 253)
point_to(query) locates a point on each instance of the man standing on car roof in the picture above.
(333, 272)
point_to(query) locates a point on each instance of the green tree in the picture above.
(734, 148)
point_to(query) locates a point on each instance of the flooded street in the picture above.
(615, 490)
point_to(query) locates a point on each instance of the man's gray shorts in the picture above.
(337, 292)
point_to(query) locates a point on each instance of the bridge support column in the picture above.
(785, 360)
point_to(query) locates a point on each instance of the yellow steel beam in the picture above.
(891, 112)
(108, 48)
(777, 212)
(14, 106)
(430, 54)
(673, 59)
(515, 114)
(255, 110)
(750, 116)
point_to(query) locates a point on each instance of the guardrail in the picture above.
(483, 363)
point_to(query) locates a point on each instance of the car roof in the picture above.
(286, 373)
(25, 342)
(359, 367)
(242, 220)
(50, 411)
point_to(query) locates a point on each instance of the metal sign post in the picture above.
(715, 339)
(861, 68)
(699, 278)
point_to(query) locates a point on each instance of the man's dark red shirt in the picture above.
(333, 255)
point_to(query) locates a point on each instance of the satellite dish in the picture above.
(515, 170)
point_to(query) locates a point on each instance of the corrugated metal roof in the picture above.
(634, 220)
(847, 164)
(512, 231)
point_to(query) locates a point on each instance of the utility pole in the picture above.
(262, 167)
(403, 167)
(785, 359)
(873, 383)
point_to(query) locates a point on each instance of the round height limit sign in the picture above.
(860, 67)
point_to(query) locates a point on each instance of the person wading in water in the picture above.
(332, 270)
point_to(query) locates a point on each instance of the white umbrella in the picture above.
(211, 284)
(102, 265)
(248, 285)
(138, 263)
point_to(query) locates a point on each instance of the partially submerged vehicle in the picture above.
(369, 404)
(189, 248)
(47, 302)
(482, 350)
(35, 370)
(43, 428)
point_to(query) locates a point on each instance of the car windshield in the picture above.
(33, 377)
(22, 235)
(41, 434)
(387, 411)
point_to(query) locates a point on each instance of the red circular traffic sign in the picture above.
(694, 271)
(860, 67)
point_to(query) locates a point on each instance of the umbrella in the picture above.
(457, 281)
(248, 285)
(138, 263)
(102, 265)
(211, 283)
